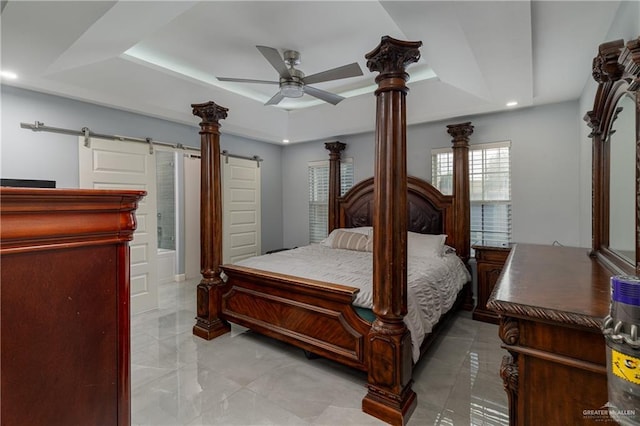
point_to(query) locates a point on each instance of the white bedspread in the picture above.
(432, 283)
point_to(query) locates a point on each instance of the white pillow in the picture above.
(425, 245)
(367, 230)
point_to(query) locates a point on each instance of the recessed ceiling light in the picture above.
(512, 103)
(8, 74)
(285, 140)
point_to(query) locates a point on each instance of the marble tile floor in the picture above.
(243, 378)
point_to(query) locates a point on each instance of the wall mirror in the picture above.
(622, 179)
(615, 126)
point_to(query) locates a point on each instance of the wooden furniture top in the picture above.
(559, 284)
(65, 217)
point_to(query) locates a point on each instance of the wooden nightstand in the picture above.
(489, 261)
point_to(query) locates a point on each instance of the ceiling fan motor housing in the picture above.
(291, 57)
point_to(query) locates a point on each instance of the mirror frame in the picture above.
(616, 68)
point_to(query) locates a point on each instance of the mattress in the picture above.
(433, 282)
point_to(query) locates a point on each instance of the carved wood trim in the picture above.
(510, 378)
(605, 65)
(616, 69)
(508, 308)
(509, 331)
(65, 218)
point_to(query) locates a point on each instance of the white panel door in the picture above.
(109, 164)
(191, 217)
(241, 209)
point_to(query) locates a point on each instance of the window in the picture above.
(490, 189)
(319, 195)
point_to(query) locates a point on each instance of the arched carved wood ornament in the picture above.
(616, 68)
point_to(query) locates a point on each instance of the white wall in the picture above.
(43, 155)
(551, 155)
(25, 154)
(551, 160)
(545, 169)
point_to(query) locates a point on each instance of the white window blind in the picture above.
(490, 189)
(319, 195)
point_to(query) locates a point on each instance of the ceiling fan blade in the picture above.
(332, 98)
(345, 71)
(246, 80)
(273, 56)
(275, 99)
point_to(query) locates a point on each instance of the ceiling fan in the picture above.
(293, 83)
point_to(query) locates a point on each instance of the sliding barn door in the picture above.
(191, 216)
(241, 209)
(108, 164)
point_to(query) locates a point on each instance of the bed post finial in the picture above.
(335, 149)
(209, 292)
(390, 397)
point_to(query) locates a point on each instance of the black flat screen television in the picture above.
(28, 183)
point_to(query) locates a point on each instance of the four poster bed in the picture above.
(315, 297)
(319, 316)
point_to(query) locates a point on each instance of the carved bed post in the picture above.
(460, 133)
(390, 397)
(462, 204)
(335, 148)
(208, 324)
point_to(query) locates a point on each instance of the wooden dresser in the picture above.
(64, 303)
(490, 261)
(552, 301)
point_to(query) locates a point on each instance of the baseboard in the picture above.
(179, 277)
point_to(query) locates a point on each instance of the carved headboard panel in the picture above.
(430, 212)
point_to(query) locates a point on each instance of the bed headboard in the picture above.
(430, 212)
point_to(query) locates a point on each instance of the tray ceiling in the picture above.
(158, 57)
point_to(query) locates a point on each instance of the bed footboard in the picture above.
(313, 315)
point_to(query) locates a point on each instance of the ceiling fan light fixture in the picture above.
(293, 83)
(291, 89)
